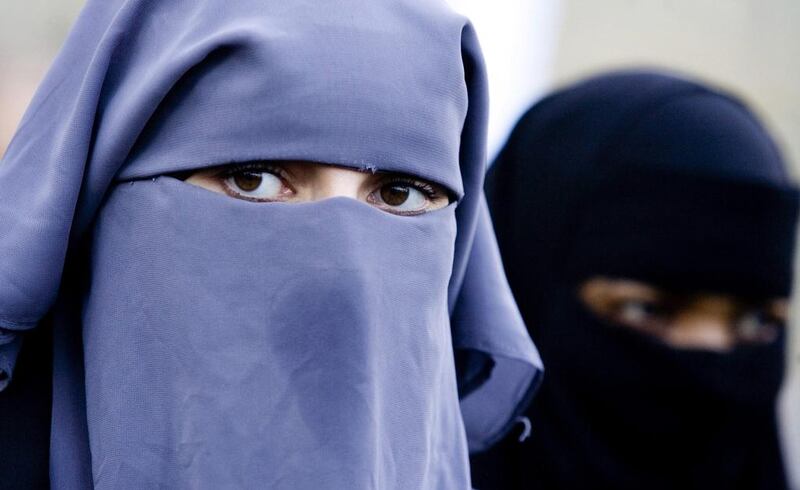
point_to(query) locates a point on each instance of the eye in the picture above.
(255, 184)
(629, 303)
(407, 197)
(403, 197)
(758, 326)
(640, 312)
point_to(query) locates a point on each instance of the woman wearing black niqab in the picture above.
(648, 179)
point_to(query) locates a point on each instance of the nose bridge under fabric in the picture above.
(325, 354)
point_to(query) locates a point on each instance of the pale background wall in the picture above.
(750, 47)
(31, 31)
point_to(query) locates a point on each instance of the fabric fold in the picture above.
(10, 344)
(145, 89)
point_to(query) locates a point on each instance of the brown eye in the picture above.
(248, 181)
(255, 185)
(395, 195)
(406, 196)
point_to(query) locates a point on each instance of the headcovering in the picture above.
(226, 342)
(655, 178)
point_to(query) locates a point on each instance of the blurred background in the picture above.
(749, 47)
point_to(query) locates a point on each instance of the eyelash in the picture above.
(423, 187)
(275, 170)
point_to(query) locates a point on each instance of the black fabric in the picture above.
(652, 177)
(26, 405)
(25, 415)
(686, 232)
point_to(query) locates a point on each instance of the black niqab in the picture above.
(650, 177)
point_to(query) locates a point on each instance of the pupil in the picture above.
(394, 195)
(247, 181)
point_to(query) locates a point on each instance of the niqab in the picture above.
(201, 341)
(654, 178)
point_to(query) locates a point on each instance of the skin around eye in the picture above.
(691, 321)
(305, 181)
(631, 303)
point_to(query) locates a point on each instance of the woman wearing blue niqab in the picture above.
(208, 342)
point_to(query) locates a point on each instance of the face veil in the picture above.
(201, 340)
(654, 178)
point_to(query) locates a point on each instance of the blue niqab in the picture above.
(207, 342)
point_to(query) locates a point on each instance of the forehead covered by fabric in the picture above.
(649, 161)
(688, 232)
(381, 90)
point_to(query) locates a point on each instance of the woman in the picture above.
(647, 226)
(223, 340)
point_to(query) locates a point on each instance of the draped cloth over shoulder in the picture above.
(144, 89)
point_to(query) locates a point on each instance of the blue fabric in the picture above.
(204, 341)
